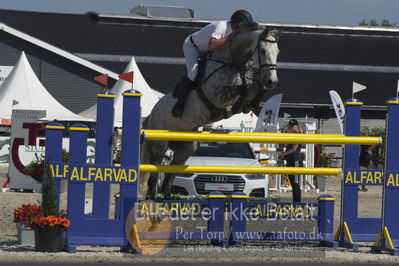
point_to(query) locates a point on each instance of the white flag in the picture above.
(357, 87)
(286, 115)
(339, 109)
(269, 112)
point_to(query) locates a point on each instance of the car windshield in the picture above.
(224, 149)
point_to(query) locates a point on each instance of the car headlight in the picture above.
(255, 176)
(185, 174)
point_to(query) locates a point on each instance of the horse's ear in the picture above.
(264, 33)
(276, 34)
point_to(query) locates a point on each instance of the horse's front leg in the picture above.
(181, 151)
(254, 100)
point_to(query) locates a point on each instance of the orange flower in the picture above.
(50, 221)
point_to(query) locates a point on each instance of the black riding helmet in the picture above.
(293, 122)
(241, 16)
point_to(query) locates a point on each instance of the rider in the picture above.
(199, 43)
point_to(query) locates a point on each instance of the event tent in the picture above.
(148, 100)
(241, 122)
(23, 90)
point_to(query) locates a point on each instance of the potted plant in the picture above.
(49, 232)
(22, 217)
(35, 169)
(49, 229)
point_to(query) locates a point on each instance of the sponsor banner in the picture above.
(339, 109)
(269, 113)
(4, 72)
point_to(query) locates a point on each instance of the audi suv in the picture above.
(222, 154)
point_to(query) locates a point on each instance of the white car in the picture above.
(223, 154)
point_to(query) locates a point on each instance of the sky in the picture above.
(315, 12)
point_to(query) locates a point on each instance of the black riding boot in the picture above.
(185, 88)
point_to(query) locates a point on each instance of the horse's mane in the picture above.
(249, 26)
(240, 40)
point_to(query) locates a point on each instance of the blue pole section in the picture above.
(349, 194)
(391, 183)
(53, 153)
(76, 190)
(326, 220)
(131, 129)
(238, 220)
(103, 153)
(216, 220)
(130, 151)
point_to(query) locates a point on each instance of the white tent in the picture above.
(148, 100)
(241, 121)
(23, 90)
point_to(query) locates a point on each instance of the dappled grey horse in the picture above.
(235, 79)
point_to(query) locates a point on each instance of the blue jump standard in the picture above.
(388, 237)
(96, 228)
(353, 228)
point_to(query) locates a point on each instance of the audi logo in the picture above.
(220, 178)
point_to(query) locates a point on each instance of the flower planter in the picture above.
(49, 239)
(26, 235)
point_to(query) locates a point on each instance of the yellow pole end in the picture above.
(388, 238)
(136, 236)
(337, 235)
(377, 242)
(347, 233)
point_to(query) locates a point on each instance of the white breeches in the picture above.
(191, 55)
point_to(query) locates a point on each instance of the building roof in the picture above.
(312, 60)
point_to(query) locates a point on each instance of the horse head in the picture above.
(265, 58)
(259, 45)
(244, 42)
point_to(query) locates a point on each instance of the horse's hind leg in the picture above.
(156, 151)
(182, 150)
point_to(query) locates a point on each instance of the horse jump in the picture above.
(101, 230)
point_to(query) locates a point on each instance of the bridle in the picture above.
(258, 70)
(271, 66)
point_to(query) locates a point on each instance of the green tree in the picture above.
(386, 23)
(378, 156)
(49, 194)
(374, 23)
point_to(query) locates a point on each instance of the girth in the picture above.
(212, 108)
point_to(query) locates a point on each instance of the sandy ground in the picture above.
(191, 252)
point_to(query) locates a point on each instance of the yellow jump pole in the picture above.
(231, 133)
(238, 169)
(257, 138)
